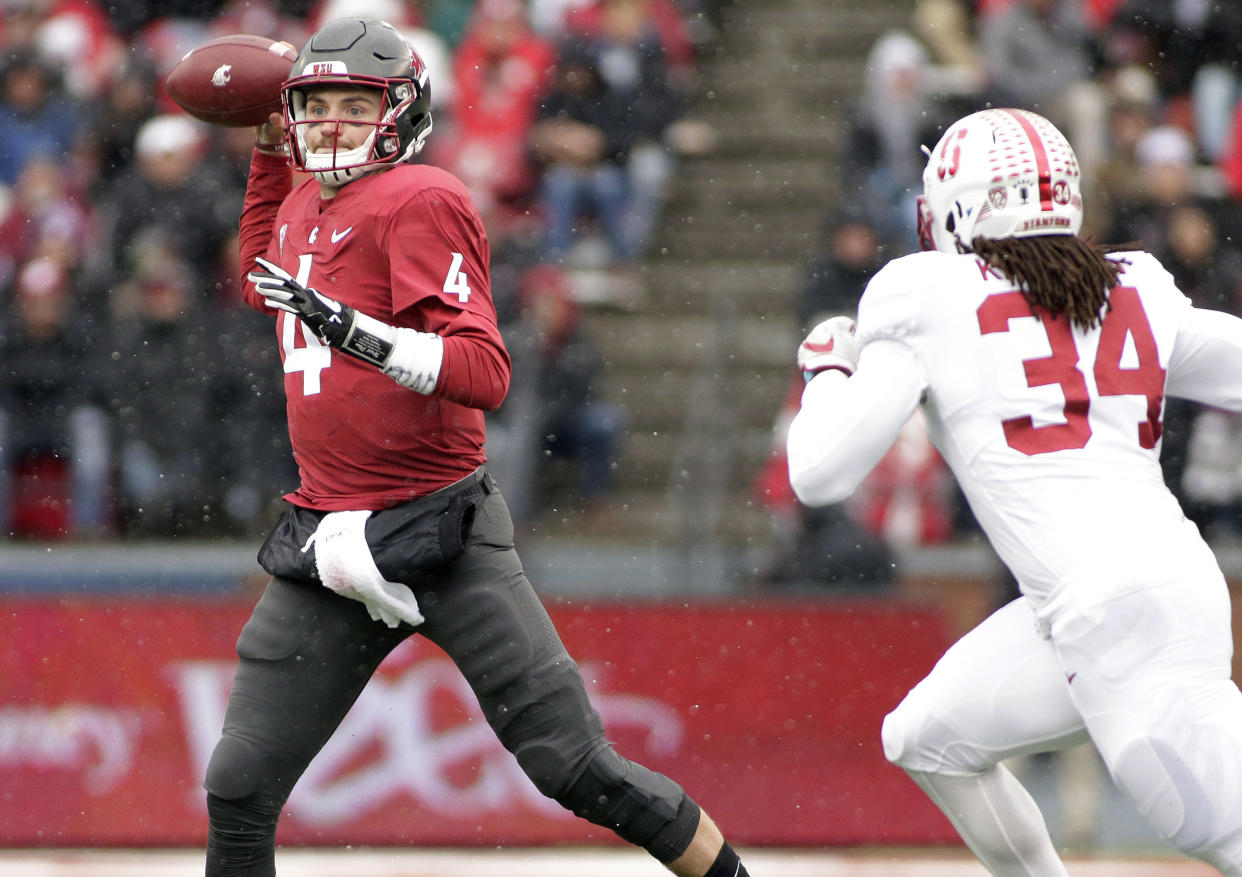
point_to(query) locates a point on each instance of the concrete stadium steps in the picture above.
(657, 342)
(741, 134)
(652, 520)
(785, 55)
(790, 28)
(702, 360)
(745, 286)
(653, 404)
(646, 451)
(805, 84)
(799, 181)
(759, 235)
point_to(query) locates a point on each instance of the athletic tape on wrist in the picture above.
(415, 360)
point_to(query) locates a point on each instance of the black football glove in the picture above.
(336, 323)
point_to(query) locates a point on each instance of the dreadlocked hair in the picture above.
(1061, 274)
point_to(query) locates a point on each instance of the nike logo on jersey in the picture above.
(1069, 677)
(819, 348)
(338, 235)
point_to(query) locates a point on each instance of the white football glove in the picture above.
(830, 345)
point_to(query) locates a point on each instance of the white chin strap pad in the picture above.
(340, 167)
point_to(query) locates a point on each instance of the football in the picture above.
(232, 80)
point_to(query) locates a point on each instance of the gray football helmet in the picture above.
(367, 53)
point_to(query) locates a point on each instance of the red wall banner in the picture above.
(768, 714)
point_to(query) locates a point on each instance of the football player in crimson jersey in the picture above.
(1042, 362)
(376, 271)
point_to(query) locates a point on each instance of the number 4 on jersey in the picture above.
(314, 355)
(1127, 317)
(455, 283)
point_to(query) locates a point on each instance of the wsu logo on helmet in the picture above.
(325, 68)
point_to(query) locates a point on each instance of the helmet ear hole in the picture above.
(950, 224)
(386, 145)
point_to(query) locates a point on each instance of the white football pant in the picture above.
(1146, 675)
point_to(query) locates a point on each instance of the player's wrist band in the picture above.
(370, 340)
(281, 148)
(416, 360)
(409, 357)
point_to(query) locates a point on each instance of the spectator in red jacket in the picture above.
(1231, 157)
(501, 68)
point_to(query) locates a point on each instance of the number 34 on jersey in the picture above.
(1126, 319)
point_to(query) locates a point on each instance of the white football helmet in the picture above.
(999, 173)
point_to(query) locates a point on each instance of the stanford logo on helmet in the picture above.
(995, 174)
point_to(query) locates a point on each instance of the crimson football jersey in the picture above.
(407, 247)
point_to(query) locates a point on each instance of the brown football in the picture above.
(232, 80)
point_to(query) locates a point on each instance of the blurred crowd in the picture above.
(139, 398)
(1150, 94)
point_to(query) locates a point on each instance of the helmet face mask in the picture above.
(356, 53)
(999, 173)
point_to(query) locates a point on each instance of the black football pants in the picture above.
(306, 653)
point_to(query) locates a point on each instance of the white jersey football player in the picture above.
(1041, 363)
